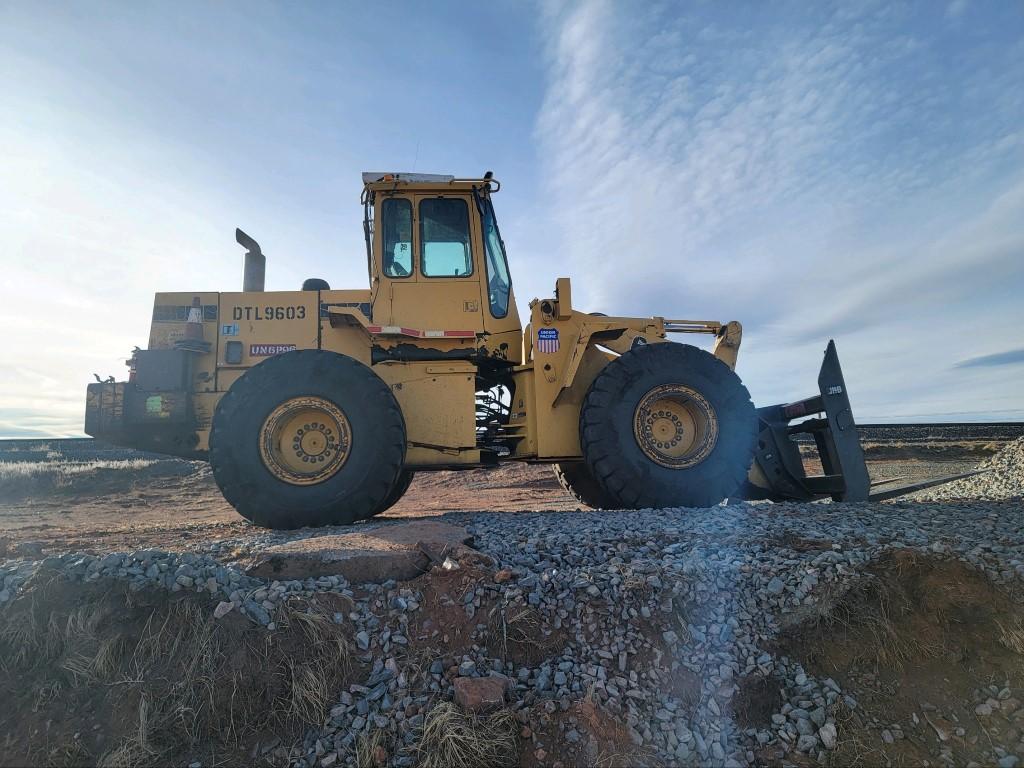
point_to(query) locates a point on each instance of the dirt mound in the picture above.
(758, 698)
(464, 607)
(933, 651)
(100, 674)
(582, 736)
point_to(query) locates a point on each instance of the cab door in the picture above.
(443, 293)
(392, 261)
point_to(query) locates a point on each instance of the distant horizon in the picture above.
(864, 424)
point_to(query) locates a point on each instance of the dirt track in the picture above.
(172, 503)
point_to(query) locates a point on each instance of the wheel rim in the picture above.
(675, 426)
(305, 440)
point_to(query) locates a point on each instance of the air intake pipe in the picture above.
(255, 269)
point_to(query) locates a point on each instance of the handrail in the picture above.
(693, 326)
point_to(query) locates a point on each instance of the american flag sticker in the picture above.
(547, 340)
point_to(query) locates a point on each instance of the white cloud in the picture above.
(809, 175)
(803, 169)
(956, 8)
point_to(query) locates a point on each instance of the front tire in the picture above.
(575, 478)
(307, 438)
(668, 425)
(401, 486)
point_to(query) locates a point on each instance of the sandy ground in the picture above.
(173, 502)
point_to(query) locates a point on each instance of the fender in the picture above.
(614, 333)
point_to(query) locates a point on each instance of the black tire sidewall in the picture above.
(405, 478)
(578, 482)
(376, 452)
(617, 461)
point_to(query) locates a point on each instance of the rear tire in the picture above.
(575, 478)
(307, 438)
(401, 486)
(668, 425)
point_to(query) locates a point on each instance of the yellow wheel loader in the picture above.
(316, 406)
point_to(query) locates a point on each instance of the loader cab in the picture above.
(436, 261)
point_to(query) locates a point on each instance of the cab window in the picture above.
(444, 237)
(396, 215)
(499, 284)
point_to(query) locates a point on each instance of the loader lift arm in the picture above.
(727, 336)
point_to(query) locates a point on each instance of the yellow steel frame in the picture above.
(437, 396)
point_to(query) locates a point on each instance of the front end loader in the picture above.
(317, 406)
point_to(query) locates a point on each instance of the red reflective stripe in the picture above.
(373, 328)
(461, 334)
(410, 332)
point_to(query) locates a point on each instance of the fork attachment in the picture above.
(778, 471)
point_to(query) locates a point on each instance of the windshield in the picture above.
(498, 281)
(444, 237)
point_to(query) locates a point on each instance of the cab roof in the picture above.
(372, 177)
(392, 179)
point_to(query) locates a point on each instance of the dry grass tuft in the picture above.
(312, 691)
(371, 749)
(20, 478)
(1012, 636)
(516, 625)
(857, 746)
(627, 758)
(452, 738)
(517, 632)
(877, 611)
(891, 645)
(196, 681)
(70, 753)
(133, 752)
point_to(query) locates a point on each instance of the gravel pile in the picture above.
(617, 584)
(1004, 480)
(176, 572)
(658, 614)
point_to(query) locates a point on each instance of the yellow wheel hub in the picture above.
(305, 440)
(675, 426)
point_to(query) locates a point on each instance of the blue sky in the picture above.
(813, 170)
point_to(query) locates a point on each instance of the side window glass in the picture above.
(397, 226)
(499, 284)
(444, 237)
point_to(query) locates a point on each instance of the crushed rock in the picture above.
(1003, 480)
(662, 614)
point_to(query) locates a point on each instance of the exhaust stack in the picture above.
(255, 269)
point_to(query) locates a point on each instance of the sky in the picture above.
(815, 170)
